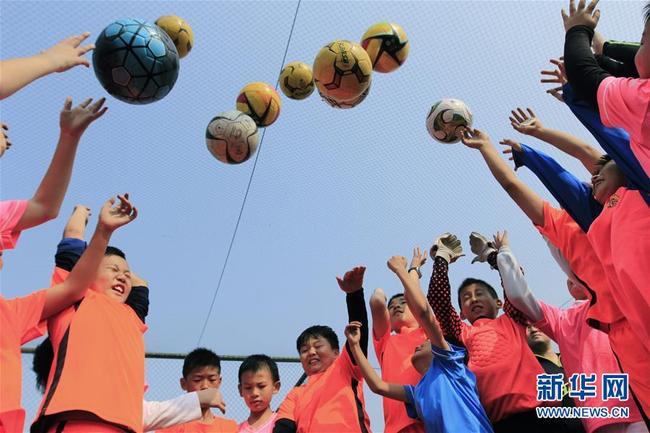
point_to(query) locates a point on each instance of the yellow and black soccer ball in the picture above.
(297, 80)
(387, 46)
(346, 104)
(261, 102)
(179, 31)
(342, 70)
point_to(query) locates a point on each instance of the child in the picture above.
(616, 306)
(18, 215)
(394, 349)
(259, 381)
(446, 398)
(584, 349)
(20, 318)
(17, 73)
(202, 370)
(499, 356)
(332, 399)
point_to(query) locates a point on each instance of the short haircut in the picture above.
(199, 358)
(470, 281)
(318, 331)
(602, 161)
(395, 296)
(255, 363)
(114, 251)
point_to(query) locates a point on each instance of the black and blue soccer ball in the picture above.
(135, 61)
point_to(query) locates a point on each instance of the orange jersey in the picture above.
(98, 368)
(394, 353)
(331, 401)
(19, 323)
(218, 425)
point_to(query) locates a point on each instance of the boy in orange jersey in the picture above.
(202, 370)
(395, 335)
(332, 399)
(20, 318)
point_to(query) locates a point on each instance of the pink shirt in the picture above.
(593, 355)
(620, 237)
(10, 213)
(266, 428)
(625, 103)
(506, 369)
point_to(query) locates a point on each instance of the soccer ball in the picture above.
(180, 31)
(261, 102)
(342, 70)
(135, 61)
(387, 46)
(297, 80)
(346, 104)
(445, 119)
(232, 137)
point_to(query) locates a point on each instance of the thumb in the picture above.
(475, 259)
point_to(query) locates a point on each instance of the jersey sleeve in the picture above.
(162, 414)
(550, 322)
(10, 213)
(27, 312)
(286, 418)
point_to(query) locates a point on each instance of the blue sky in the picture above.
(332, 188)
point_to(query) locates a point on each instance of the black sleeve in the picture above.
(624, 53)
(284, 425)
(66, 260)
(357, 312)
(582, 69)
(138, 300)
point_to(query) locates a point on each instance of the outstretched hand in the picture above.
(352, 280)
(526, 123)
(513, 146)
(501, 239)
(582, 15)
(397, 263)
(353, 333)
(474, 138)
(419, 258)
(74, 121)
(555, 76)
(113, 217)
(68, 53)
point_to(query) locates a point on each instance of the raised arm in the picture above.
(46, 202)
(380, 315)
(84, 273)
(531, 203)
(375, 383)
(527, 122)
(76, 225)
(17, 73)
(514, 283)
(352, 285)
(417, 302)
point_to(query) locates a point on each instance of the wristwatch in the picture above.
(416, 269)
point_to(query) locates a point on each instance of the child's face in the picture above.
(316, 355)
(606, 181)
(537, 340)
(201, 378)
(642, 58)
(257, 389)
(114, 278)
(422, 357)
(400, 315)
(476, 302)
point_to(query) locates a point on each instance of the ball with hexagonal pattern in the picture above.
(342, 70)
(135, 61)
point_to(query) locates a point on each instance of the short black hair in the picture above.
(646, 13)
(318, 331)
(395, 296)
(602, 161)
(255, 363)
(470, 281)
(114, 251)
(200, 357)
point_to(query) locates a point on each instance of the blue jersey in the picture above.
(446, 398)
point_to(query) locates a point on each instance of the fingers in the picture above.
(572, 7)
(85, 103)
(83, 50)
(581, 5)
(517, 116)
(97, 105)
(531, 112)
(522, 114)
(67, 105)
(75, 41)
(565, 17)
(597, 15)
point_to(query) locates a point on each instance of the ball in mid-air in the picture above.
(261, 102)
(387, 46)
(232, 137)
(297, 80)
(346, 104)
(135, 61)
(342, 70)
(179, 31)
(446, 120)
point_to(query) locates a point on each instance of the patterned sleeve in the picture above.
(439, 296)
(508, 308)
